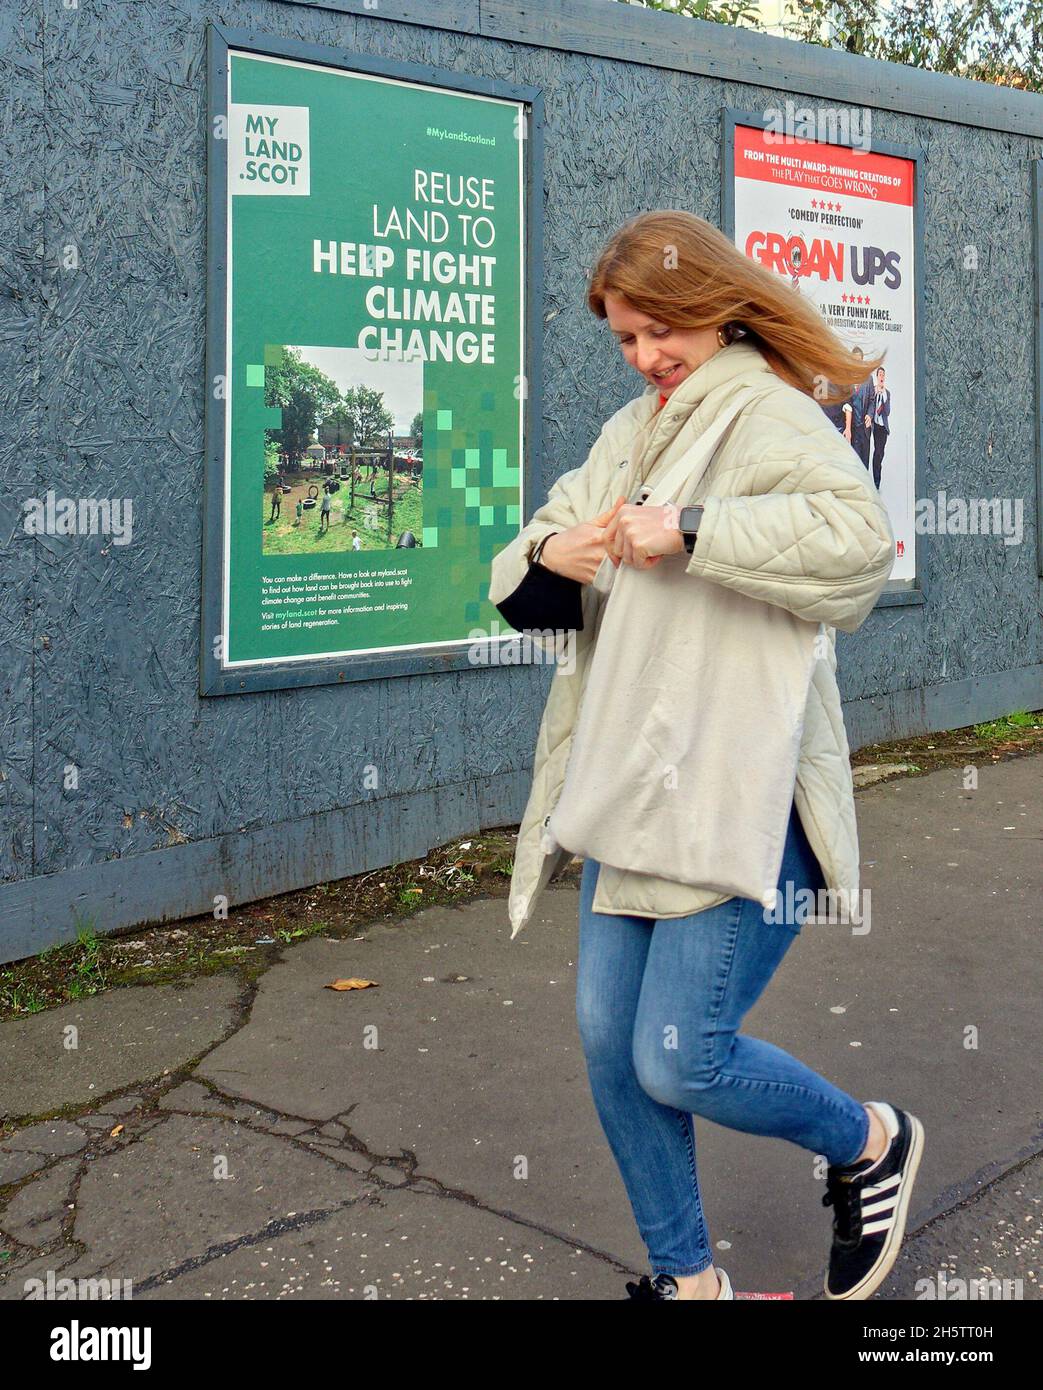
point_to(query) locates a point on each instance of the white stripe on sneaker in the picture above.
(875, 1226)
(875, 1189)
(876, 1207)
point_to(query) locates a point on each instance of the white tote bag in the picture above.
(685, 749)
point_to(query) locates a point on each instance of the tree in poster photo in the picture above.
(305, 396)
(370, 419)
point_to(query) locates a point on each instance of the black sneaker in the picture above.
(651, 1290)
(870, 1202)
(665, 1286)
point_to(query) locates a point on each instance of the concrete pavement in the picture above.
(434, 1137)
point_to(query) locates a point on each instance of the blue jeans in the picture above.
(659, 1004)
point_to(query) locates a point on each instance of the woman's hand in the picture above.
(641, 536)
(578, 551)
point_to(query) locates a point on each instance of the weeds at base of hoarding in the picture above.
(253, 936)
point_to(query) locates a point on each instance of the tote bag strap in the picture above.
(689, 468)
(693, 462)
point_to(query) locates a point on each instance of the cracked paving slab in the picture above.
(440, 1065)
(35, 1214)
(408, 1247)
(290, 1218)
(440, 1126)
(466, 1059)
(122, 1037)
(172, 1187)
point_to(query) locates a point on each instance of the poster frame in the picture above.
(895, 591)
(214, 678)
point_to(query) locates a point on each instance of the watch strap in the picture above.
(690, 535)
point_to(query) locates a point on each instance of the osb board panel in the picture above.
(118, 411)
(21, 251)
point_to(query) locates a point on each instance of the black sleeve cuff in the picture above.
(544, 600)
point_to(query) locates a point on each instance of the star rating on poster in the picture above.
(825, 207)
(854, 298)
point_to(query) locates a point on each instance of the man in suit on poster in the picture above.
(880, 403)
(861, 416)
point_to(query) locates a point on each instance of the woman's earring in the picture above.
(724, 335)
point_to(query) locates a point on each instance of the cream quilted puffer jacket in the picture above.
(792, 518)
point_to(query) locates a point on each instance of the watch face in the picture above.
(688, 519)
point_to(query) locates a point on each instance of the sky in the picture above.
(401, 382)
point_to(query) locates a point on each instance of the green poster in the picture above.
(374, 360)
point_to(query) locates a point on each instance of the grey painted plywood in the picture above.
(23, 276)
(103, 388)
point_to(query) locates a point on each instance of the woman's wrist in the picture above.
(536, 554)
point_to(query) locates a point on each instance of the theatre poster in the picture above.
(839, 223)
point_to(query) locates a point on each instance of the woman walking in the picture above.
(693, 751)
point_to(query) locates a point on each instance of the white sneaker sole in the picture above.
(876, 1276)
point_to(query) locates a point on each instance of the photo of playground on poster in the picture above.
(374, 349)
(837, 223)
(358, 485)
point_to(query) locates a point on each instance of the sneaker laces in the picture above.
(844, 1196)
(652, 1290)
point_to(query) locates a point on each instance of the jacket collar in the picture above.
(696, 400)
(738, 361)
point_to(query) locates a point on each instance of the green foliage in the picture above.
(372, 422)
(305, 396)
(1010, 726)
(996, 41)
(716, 11)
(337, 430)
(81, 963)
(312, 404)
(17, 999)
(271, 462)
(987, 40)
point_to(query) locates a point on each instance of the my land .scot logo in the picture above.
(268, 150)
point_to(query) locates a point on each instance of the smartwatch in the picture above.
(688, 521)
